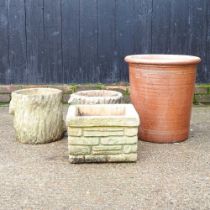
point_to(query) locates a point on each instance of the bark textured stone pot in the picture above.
(96, 97)
(38, 115)
(162, 88)
(102, 133)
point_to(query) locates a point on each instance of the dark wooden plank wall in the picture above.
(71, 40)
(207, 64)
(107, 53)
(4, 45)
(35, 41)
(17, 42)
(88, 41)
(81, 41)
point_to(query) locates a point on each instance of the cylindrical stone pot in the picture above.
(38, 115)
(162, 88)
(96, 97)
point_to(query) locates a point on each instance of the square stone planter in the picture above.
(102, 133)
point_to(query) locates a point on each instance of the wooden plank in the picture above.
(58, 41)
(161, 26)
(107, 55)
(70, 40)
(179, 27)
(142, 26)
(207, 64)
(88, 41)
(53, 41)
(198, 32)
(35, 41)
(4, 61)
(17, 41)
(124, 34)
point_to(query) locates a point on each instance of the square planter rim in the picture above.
(129, 118)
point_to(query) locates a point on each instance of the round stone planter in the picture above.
(38, 115)
(162, 88)
(96, 97)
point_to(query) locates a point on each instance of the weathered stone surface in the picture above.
(74, 131)
(106, 132)
(9, 88)
(103, 133)
(83, 140)
(122, 158)
(102, 121)
(202, 98)
(78, 150)
(116, 115)
(119, 140)
(67, 89)
(95, 158)
(103, 158)
(106, 150)
(38, 116)
(201, 90)
(96, 97)
(65, 98)
(130, 148)
(76, 159)
(131, 131)
(103, 148)
(103, 129)
(4, 98)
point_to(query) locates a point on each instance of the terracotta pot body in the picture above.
(162, 88)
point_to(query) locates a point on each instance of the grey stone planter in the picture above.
(38, 115)
(102, 133)
(96, 97)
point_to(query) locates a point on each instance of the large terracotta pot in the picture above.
(162, 88)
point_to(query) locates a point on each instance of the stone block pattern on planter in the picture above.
(104, 141)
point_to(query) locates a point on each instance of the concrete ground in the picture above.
(166, 177)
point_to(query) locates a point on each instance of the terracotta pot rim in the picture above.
(162, 59)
